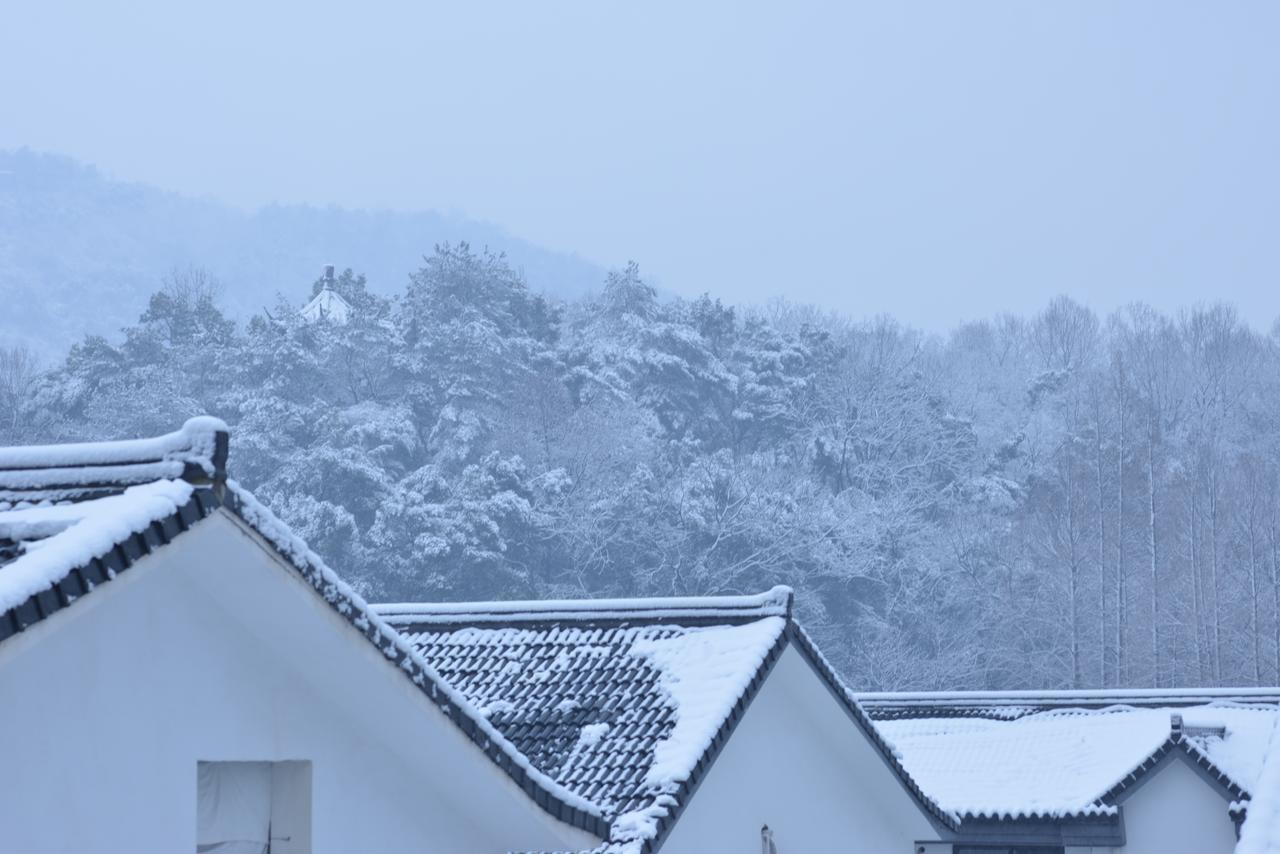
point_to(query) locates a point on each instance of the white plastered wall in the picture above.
(797, 763)
(210, 650)
(1177, 811)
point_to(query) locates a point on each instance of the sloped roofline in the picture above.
(795, 636)
(44, 472)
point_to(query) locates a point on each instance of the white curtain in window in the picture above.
(234, 807)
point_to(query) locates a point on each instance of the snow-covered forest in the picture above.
(1062, 500)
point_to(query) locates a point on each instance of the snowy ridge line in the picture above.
(772, 603)
(194, 442)
(1132, 696)
(1011, 705)
(399, 651)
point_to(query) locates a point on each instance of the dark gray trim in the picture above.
(1204, 769)
(1100, 830)
(1175, 745)
(941, 820)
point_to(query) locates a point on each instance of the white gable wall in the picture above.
(1176, 811)
(209, 650)
(797, 763)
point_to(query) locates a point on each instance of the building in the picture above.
(692, 725)
(178, 670)
(1085, 772)
(327, 305)
(180, 673)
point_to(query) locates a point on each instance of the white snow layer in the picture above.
(1062, 762)
(772, 602)
(704, 672)
(327, 305)
(77, 533)
(1261, 831)
(194, 440)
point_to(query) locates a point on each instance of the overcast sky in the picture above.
(938, 161)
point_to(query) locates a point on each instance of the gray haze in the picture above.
(936, 161)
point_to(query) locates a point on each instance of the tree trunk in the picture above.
(1121, 602)
(1102, 552)
(1216, 634)
(1253, 593)
(1153, 545)
(1275, 587)
(1073, 556)
(1197, 616)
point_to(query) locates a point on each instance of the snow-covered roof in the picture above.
(617, 700)
(625, 702)
(36, 474)
(327, 305)
(72, 517)
(1260, 833)
(1065, 755)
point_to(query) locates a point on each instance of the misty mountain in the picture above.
(80, 253)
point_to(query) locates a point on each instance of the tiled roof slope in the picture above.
(617, 700)
(625, 702)
(73, 517)
(1025, 757)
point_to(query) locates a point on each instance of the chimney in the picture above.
(328, 275)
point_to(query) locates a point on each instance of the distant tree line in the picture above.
(1059, 501)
